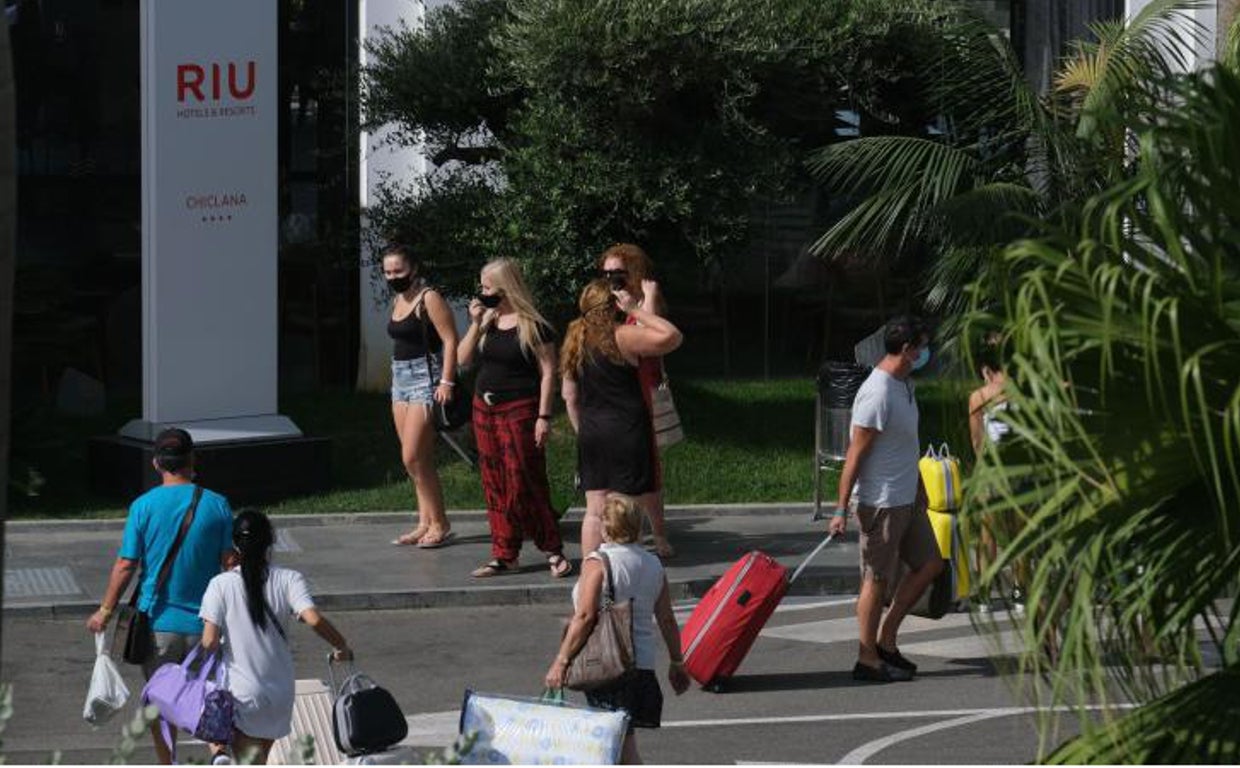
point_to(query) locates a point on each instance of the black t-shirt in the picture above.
(504, 367)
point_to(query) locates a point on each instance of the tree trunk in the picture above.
(8, 228)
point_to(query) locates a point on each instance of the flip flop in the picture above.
(429, 543)
(494, 568)
(408, 539)
(560, 565)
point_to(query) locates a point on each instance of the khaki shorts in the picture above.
(891, 535)
(170, 648)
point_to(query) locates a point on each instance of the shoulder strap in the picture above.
(609, 581)
(272, 615)
(165, 570)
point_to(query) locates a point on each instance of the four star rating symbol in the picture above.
(217, 218)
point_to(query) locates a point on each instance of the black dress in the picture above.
(615, 442)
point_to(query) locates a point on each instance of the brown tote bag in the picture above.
(608, 652)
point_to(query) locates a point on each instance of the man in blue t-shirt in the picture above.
(154, 522)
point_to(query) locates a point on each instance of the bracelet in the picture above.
(447, 383)
(840, 513)
(106, 611)
(545, 416)
(676, 662)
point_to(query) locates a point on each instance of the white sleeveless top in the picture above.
(996, 430)
(638, 576)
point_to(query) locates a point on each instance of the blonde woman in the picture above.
(514, 348)
(603, 393)
(627, 265)
(637, 576)
(423, 372)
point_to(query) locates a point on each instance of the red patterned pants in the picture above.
(514, 478)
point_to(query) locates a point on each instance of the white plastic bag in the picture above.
(108, 692)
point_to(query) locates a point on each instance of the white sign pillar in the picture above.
(381, 162)
(209, 220)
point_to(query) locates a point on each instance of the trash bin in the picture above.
(838, 383)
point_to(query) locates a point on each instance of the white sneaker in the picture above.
(221, 758)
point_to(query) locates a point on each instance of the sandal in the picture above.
(560, 565)
(430, 541)
(411, 538)
(494, 568)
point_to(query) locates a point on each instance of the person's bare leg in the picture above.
(406, 456)
(418, 453)
(869, 613)
(592, 522)
(907, 594)
(652, 504)
(628, 752)
(250, 750)
(162, 753)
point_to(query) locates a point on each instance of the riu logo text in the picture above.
(202, 83)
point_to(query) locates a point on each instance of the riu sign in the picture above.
(208, 83)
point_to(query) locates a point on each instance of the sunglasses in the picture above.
(610, 273)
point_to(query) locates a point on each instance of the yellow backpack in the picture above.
(940, 473)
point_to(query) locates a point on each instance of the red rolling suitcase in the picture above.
(733, 611)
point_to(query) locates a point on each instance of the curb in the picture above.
(673, 512)
(829, 581)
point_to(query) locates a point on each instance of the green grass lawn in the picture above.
(747, 441)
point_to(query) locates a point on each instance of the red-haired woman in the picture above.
(627, 265)
(603, 393)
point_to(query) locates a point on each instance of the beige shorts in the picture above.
(891, 535)
(170, 648)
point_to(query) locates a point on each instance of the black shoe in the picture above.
(880, 674)
(897, 660)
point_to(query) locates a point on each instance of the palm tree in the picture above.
(1120, 497)
(1003, 156)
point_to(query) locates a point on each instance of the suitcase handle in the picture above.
(331, 674)
(810, 557)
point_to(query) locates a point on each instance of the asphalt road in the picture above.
(793, 701)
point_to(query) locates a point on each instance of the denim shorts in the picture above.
(412, 383)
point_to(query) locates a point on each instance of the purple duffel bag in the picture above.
(194, 699)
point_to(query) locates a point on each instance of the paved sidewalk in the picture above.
(59, 569)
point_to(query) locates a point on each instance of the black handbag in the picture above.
(458, 411)
(135, 625)
(365, 717)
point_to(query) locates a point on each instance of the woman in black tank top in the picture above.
(423, 371)
(601, 387)
(514, 347)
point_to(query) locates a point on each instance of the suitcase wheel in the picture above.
(716, 686)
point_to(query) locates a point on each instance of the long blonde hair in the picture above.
(593, 332)
(505, 275)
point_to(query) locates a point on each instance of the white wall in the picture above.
(380, 162)
(1205, 50)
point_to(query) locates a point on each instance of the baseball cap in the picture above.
(173, 443)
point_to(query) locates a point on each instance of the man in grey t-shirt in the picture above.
(881, 480)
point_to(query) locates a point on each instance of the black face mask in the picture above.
(618, 281)
(490, 301)
(400, 284)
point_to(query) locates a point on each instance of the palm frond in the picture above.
(1117, 503)
(1160, 734)
(900, 177)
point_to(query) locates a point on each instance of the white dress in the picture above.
(258, 662)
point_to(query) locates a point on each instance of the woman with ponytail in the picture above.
(603, 395)
(249, 606)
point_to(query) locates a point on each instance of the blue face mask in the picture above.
(923, 357)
